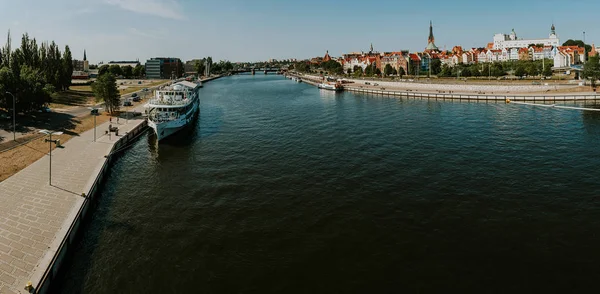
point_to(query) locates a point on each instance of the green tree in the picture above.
(388, 70)
(547, 71)
(358, 71)
(401, 71)
(103, 69)
(66, 69)
(466, 72)
(446, 71)
(591, 70)
(115, 69)
(349, 71)
(105, 89)
(369, 70)
(436, 66)
(520, 71)
(199, 67)
(127, 71)
(139, 71)
(532, 69)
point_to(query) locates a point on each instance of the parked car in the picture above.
(145, 89)
(44, 109)
(375, 84)
(136, 99)
(134, 95)
(127, 103)
(367, 83)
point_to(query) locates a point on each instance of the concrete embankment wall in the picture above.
(93, 186)
(458, 96)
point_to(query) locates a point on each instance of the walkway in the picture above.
(34, 216)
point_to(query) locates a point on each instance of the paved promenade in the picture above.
(34, 216)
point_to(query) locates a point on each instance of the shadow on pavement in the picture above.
(31, 122)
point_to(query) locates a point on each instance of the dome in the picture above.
(178, 87)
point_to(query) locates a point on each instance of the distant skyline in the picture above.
(241, 30)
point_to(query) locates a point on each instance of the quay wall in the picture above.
(43, 285)
(457, 96)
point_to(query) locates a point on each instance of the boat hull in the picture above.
(168, 128)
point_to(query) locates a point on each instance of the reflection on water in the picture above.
(283, 188)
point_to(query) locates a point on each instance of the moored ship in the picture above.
(172, 108)
(332, 87)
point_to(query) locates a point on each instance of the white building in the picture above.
(562, 59)
(502, 41)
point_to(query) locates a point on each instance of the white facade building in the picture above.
(503, 41)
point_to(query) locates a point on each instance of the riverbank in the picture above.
(463, 92)
(39, 221)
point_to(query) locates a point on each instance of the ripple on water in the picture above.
(281, 187)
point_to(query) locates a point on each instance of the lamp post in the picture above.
(14, 116)
(95, 112)
(50, 141)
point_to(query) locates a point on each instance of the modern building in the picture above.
(503, 41)
(164, 68)
(80, 65)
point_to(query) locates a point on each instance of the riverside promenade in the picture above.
(499, 93)
(36, 218)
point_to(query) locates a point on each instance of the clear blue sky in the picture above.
(253, 30)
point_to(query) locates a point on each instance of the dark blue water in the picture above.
(283, 188)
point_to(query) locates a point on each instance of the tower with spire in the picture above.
(84, 57)
(431, 40)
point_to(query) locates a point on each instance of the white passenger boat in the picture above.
(332, 87)
(172, 108)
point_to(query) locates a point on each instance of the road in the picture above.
(46, 120)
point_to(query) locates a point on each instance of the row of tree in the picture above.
(32, 73)
(519, 68)
(127, 71)
(223, 66)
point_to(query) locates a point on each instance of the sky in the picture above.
(257, 30)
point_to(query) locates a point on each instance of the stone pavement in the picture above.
(35, 217)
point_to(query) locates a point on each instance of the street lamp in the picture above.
(95, 112)
(50, 141)
(14, 116)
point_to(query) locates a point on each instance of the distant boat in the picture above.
(332, 87)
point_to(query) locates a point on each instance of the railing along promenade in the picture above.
(451, 95)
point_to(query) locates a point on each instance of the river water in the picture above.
(283, 188)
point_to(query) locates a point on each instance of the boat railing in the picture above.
(167, 101)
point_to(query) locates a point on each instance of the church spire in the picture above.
(431, 39)
(84, 57)
(371, 47)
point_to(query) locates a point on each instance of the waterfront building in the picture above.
(164, 68)
(397, 60)
(414, 63)
(467, 57)
(482, 57)
(562, 59)
(523, 53)
(502, 41)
